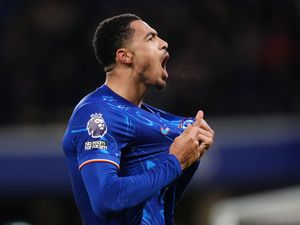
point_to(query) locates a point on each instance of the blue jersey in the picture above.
(118, 155)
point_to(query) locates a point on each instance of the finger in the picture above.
(206, 133)
(199, 118)
(204, 148)
(205, 126)
(204, 140)
(188, 128)
(201, 151)
(194, 132)
(199, 154)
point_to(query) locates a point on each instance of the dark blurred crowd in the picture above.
(227, 57)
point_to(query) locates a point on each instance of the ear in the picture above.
(123, 55)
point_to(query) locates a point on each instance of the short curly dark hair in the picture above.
(110, 36)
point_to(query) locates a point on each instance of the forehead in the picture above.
(141, 28)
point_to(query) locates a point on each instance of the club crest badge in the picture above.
(96, 126)
(185, 122)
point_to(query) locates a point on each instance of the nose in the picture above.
(164, 44)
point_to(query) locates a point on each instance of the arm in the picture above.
(110, 193)
(206, 139)
(107, 191)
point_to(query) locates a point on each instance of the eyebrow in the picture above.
(151, 33)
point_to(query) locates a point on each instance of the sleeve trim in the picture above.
(98, 160)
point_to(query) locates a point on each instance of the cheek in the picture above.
(146, 61)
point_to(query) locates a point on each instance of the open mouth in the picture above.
(164, 63)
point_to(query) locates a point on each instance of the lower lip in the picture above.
(165, 74)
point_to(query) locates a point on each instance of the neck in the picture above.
(126, 85)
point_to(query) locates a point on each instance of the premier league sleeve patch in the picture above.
(96, 126)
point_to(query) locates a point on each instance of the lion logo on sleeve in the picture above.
(96, 126)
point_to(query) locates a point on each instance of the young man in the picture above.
(129, 161)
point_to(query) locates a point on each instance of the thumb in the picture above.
(199, 118)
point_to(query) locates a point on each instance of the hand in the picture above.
(206, 135)
(193, 142)
(185, 146)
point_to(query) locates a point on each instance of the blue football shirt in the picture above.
(107, 130)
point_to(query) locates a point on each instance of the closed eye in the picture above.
(151, 35)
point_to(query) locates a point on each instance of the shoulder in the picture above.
(91, 105)
(99, 117)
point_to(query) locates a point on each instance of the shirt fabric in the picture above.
(120, 166)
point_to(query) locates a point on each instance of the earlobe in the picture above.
(124, 55)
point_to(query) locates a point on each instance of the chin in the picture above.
(162, 85)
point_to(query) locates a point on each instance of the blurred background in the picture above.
(238, 61)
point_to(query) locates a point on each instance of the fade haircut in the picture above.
(111, 35)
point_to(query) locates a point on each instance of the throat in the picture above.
(133, 94)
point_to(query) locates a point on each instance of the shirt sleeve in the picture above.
(100, 134)
(110, 193)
